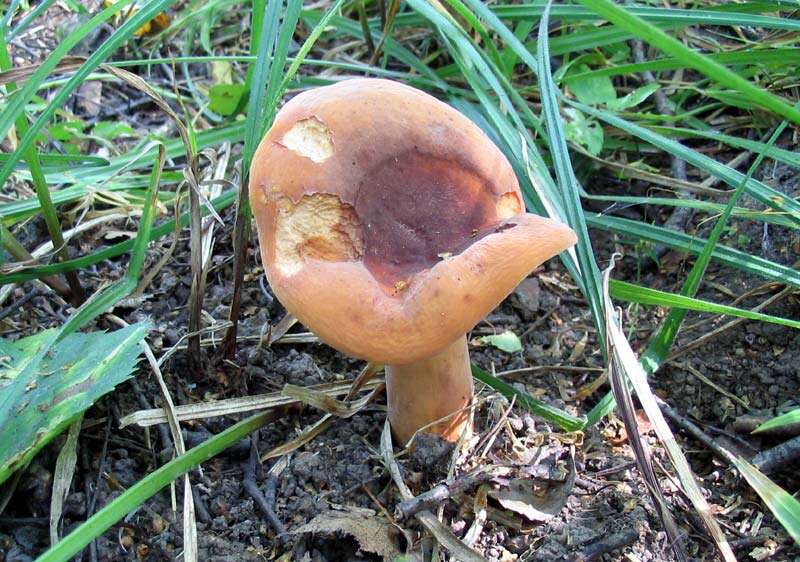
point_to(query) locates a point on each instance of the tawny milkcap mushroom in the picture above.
(390, 225)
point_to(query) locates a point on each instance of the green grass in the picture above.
(547, 87)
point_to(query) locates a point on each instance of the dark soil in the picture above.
(342, 470)
(607, 513)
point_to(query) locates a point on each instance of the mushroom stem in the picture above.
(430, 389)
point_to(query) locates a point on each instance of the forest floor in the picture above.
(742, 371)
(334, 496)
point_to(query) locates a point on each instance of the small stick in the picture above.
(786, 453)
(696, 432)
(16, 305)
(264, 502)
(442, 492)
(611, 543)
(200, 507)
(488, 440)
(705, 338)
(442, 533)
(748, 423)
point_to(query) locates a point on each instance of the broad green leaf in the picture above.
(592, 90)
(788, 418)
(629, 21)
(584, 132)
(507, 341)
(225, 99)
(67, 130)
(756, 189)
(634, 98)
(42, 390)
(111, 130)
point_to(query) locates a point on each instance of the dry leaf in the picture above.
(373, 534)
(536, 500)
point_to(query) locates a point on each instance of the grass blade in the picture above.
(641, 28)
(660, 344)
(120, 35)
(644, 295)
(554, 415)
(167, 227)
(16, 104)
(788, 418)
(148, 486)
(567, 180)
(260, 113)
(694, 244)
(782, 504)
(758, 190)
(625, 359)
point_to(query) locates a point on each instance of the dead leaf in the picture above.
(373, 534)
(536, 499)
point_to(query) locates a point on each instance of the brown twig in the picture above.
(749, 423)
(265, 502)
(16, 305)
(696, 432)
(241, 240)
(605, 544)
(442, 492)
(200, 507)
(19, 253)
(773, 459)
(442, 533)
(705, 338)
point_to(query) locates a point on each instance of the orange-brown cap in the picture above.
(389, 223)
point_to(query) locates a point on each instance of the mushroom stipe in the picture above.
(390, 225)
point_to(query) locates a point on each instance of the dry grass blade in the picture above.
(364, 377)
(189, 523)
(20, 253)
(62, 476)
(641, 451)
(193, 180)
(442, 533)
(625, 360)
(307, 435)
(271, 401)
(328, 404)
(20, 74)
(213, 191)
(279, 330)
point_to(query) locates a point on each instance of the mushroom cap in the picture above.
(389, 223)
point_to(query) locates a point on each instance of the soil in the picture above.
(606, 514)
(341, 469)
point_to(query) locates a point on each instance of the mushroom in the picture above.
(389, 225)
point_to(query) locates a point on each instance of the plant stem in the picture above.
(77, 295)
(19, 253)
